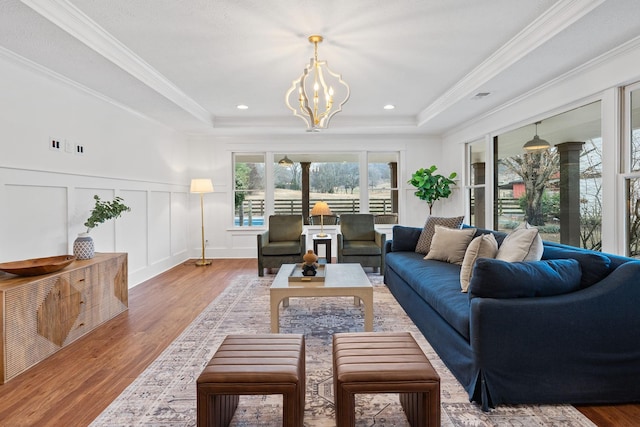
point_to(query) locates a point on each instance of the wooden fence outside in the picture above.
(256, 208)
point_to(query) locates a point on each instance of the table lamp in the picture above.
(321, 208)
(202, 186)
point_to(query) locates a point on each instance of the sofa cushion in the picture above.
(360, 247)
(405, 238)
(281, 248)
(450, 244)
(424, 242)
(357, 227)
(493, 278)
(438, 283)
(284, 228)
(522, 244)
(595, 266)
(483, 246)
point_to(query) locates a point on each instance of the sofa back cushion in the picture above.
(357, 227)
(595, 266)
(285, 228)
(493, 278)
(405, 238)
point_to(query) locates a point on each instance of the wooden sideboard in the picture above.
(42, 314)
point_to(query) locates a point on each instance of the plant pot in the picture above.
(83, 246)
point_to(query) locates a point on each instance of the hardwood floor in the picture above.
(73, 386)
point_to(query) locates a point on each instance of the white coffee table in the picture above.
(341, 280)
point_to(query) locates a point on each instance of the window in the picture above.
(248, 190)
(475, 183)
(558, 190)
(287, 179)
(305, 178)
(632, 169)
(382, 176)
(332, 177)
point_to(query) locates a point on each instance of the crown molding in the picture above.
(629, 47)
(52, 75)
(560, 16)
(72, 20)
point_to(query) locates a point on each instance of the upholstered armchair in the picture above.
(359, 241)
(282, 243)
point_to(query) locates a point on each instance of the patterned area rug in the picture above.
(165, 393)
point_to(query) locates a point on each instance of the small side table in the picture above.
(324, 240)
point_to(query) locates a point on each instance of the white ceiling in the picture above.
(187, 64)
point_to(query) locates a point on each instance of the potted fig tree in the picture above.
(103, 211)
(431, 186)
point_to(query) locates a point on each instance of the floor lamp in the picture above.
(202, 186)
(321, 208)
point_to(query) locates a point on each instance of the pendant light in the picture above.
(536, 144)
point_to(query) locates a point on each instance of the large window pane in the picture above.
(558, 190)
(383, 187)
(634, 118)
(633, 183)
(287, 179)
(248, 190)
(332, 177)
(337, 183)
(475, 185)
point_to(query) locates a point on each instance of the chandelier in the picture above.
(312, 95)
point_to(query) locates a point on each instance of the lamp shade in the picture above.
(203, 185)
(321, 208)
(536, 144)
(285, 161)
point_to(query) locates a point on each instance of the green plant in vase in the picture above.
(103, 211)
(431, 186)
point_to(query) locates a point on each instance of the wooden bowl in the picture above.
(37, 266)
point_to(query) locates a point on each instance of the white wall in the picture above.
(45, 195)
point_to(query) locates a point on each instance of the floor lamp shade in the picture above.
(321, 208)
(202, 186)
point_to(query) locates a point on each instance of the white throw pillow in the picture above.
(485, 246)
(450, 244)
(522, 244)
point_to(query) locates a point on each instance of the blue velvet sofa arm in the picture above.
(580, 347)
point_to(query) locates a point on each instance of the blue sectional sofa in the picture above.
(581, 347)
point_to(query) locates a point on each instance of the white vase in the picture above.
(83, 246)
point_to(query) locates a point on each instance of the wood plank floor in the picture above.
(73, 386)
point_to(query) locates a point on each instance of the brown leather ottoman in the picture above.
(253, 364)
(381, 362)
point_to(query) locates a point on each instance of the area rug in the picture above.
(165, 393)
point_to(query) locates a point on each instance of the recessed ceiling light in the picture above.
(242, 107)
(389, 107)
